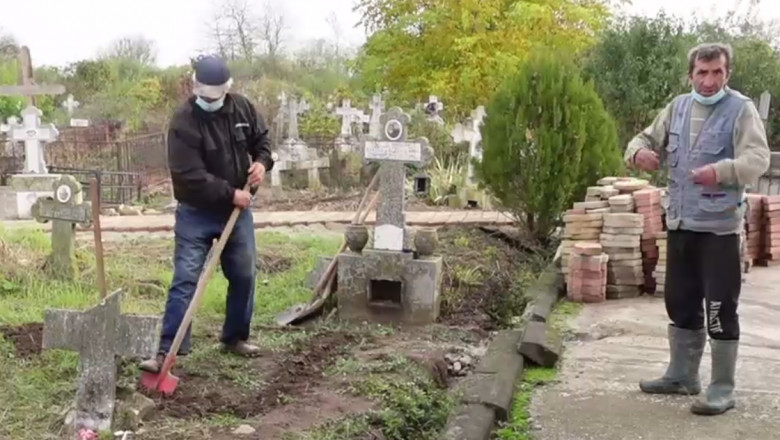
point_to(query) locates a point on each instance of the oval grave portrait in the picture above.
(64, 193)
(394, 130)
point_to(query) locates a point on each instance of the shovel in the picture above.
(322, 290)
(164, 381)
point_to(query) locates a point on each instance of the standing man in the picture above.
(211, 138)
(715, 144)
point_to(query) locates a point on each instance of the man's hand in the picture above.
(242, 198)
(705, 175)
(256, 174)
(646, 159)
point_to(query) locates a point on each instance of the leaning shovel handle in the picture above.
(201, 287)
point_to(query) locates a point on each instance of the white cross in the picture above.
(295, 108)
(34, 135)
(471, 133)
(349, 116)
(433, 108)
(70, 105)
(375, 125)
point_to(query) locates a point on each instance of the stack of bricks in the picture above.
(620, 240)
(621, 204)
(648, 203)
(581, 226)
(587, 278)
(629, 185)
(753, 234)
(770, 252)
(660, 269)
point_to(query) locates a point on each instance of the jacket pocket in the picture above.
(672, 150)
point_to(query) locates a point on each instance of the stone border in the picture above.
(486, 396)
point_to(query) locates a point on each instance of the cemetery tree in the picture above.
(463, 50)
(546, 138)
(133, 48)
(637, 66)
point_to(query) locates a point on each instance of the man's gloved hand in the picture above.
(705, 175)
(256, 174)
(646, 159)
(242, 198)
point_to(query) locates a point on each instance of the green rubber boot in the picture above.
(719, 397)
(682, 375)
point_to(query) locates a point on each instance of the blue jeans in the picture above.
(195, 231)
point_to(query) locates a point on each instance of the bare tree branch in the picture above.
(137, 48)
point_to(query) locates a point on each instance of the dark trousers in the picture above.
(703, 267)
(195, 231)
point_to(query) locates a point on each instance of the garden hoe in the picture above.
(164, 381)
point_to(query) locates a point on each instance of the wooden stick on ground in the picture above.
(95, 201)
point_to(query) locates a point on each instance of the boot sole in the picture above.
(677, 391)
(705, 411)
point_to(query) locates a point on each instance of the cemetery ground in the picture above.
(322, 380)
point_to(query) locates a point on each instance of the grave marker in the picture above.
(393, 152)
(763, 105)
(471, 133)
(349, 116)
(34, 135)
(99, 335)
(295, 108)
(70, 105)
(375, 123)
(433, 108)
(64, 210)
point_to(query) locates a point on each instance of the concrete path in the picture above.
(618, 343)
(164, 222)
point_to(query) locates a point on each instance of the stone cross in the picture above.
(65, 210)
(393, 152)
(99, 335)
(281, 117)
(70, 105)
(433, 108)
(375, 125)
(471, 133)
(34, 135)
(349, 116)
(295, 108)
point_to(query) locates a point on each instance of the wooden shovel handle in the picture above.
(211, 265)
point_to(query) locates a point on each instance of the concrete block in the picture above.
(541, 344)
(470, 422)
(502, 354)
(495, 390)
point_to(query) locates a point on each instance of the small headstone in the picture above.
(99, 335)
(65, 210)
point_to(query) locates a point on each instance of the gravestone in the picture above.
(433, 108)
(294, 109)
(64, 210)
(389, 282)
(99, 335)
(35, 135)
(470, 132)
(349, 117)
(70, 105)
(375, 123)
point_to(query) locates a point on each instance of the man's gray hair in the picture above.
(710, 52)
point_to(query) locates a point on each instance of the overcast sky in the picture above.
(63, 31)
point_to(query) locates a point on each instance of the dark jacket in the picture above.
(209, 153)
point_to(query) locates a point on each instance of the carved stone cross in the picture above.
(99, 335)
(394, 152)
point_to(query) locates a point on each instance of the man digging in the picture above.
(715, 144)
(210, 139)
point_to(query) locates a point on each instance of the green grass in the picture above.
(517, 427)
(36, 392)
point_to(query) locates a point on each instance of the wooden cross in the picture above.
(28, 88)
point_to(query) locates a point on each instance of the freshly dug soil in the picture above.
(27, 338)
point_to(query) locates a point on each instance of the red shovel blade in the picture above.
(163, 381)
(165, 384)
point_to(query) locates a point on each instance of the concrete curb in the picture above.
(486, 396)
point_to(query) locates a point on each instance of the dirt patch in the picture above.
(27, 338)
(485, 276)
(270, 261)
(296, 373)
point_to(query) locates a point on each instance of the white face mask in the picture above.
(210, 106)
(709, 100)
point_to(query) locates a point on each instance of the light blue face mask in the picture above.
(210, 106)
(709, 100)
